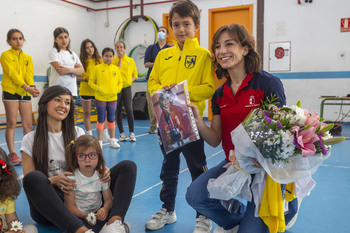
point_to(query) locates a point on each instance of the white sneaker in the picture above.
(122, 137)
(114, 143)
(101, 143)
(116, 227)
(132, 137)
(88, 132)
(105, 136)
(219, 229)
(203, 225)
(161, 218)
(89, 231)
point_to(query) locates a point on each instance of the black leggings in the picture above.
(125, 97)
(47, 201)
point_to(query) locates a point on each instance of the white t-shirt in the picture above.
(66, 59)
(57, 161)
(88, 192)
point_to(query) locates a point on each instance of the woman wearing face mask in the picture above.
(150, 57)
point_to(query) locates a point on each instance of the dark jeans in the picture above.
(197, 196)
(125, 98)
(196, 163)
(47, 202)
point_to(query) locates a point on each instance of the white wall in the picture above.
(316, 45)
(313, 30)
(37, 20)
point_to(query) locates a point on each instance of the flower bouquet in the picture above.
(289, 143)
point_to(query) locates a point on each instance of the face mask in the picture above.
(161, 35)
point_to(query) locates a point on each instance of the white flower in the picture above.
(288, 146)
(91, 218)
(16, 226)
(299, 115)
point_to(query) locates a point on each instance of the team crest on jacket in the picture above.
(190, 61)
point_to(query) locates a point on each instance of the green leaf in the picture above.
(318, 129)
(327, 128)
(299, 104)
(332, 141)
(287, 109)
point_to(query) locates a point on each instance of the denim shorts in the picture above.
(15, 97)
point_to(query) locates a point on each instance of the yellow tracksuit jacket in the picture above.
(85, 89)
(107, 82)
(128, 69)
(17, 70)
(193, 64)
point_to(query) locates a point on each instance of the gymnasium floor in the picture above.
(326, 210)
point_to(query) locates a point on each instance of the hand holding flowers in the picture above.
(91, 219)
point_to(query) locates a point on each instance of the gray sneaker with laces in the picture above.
(161, 218)
(122, 137)
(203, 225)
(132, 137)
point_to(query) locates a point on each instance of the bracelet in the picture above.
(27, 87)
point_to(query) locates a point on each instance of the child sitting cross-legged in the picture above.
(91, 199)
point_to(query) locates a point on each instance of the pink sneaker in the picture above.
(14, 159)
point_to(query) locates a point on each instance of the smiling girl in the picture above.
(18, 87)
(245, 89)
(44, 164)
(65, 63)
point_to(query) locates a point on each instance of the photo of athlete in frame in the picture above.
(176, 127)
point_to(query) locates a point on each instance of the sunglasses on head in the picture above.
(91, 155)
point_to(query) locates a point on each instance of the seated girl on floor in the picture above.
(10, 188)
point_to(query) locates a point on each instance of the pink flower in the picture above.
(305, 139)
(313, 120)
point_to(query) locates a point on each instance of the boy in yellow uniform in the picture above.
(107, 82)
(185, 61)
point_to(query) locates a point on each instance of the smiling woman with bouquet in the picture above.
(245, 89)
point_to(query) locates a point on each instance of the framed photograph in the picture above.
(175, 120)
